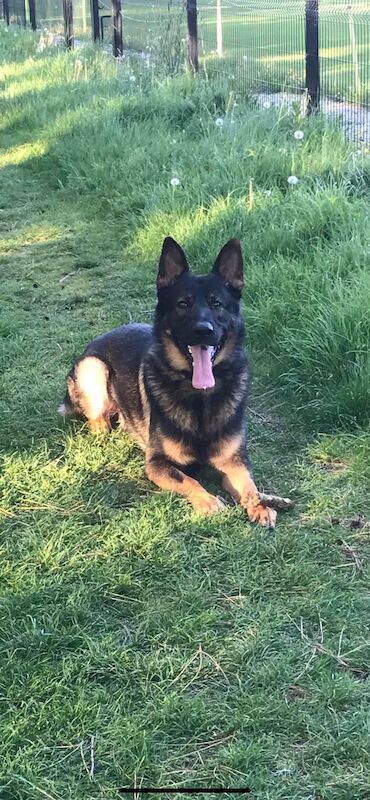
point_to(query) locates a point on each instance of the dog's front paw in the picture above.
(258, 513)
(205, 503)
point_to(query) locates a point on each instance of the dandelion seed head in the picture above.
(293, 180)
(175, 182)
(299, 135)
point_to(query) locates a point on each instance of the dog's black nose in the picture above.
(203, 329)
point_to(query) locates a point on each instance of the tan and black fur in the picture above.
(139, 376)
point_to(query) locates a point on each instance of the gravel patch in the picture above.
(354, 118)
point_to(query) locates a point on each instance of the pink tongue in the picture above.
(202, 367)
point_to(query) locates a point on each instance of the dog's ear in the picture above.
(229, 265)
(172, 263)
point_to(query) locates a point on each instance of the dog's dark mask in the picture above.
(199, 312)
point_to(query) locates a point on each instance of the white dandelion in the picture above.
(175, 182)
(293, 180)
(299, 135)
(132, 78)
(219, 122)
(267, 104)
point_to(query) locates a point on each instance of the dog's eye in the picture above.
(182, 304)
(216, 303)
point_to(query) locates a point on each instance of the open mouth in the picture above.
(202, 358)
(213, 351)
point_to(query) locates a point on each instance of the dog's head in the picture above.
(198, 317)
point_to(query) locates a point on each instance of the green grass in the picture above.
(187, 650)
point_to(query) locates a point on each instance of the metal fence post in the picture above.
(94, 7)
(117, 28)
(191, 13)
(32, 10)
(68, 22)
(312, 54)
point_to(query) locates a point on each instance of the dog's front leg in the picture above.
(168, 476)
(238, 481)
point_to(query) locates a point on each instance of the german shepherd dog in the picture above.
(178, 387)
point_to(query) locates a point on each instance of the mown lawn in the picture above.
(137, 641)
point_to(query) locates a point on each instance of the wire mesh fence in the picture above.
(264, 46)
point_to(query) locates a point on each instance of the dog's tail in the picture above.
(70, 406)
(67, 409)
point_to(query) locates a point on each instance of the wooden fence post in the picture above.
(220, 49)
(117, 28)
(68, 22)
(94, 6)
(83, 14)
(191, 12)
(312, 54)
(32, 10)
(6, 11)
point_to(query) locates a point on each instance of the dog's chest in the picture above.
(195, 433)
